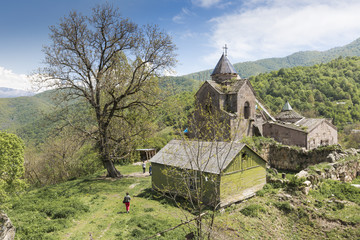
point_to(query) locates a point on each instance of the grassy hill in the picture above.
(93, 205)
(304, 58)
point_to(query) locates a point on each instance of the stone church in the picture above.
(227, 109)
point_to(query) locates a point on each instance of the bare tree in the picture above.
(110, 63)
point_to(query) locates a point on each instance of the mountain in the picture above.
(303, 58)
(13, 93)
(16, 112)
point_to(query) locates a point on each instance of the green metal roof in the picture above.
(287, 107)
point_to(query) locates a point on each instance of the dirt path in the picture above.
(137, 174)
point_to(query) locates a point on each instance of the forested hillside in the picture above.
(330, 90)
(15, 112)
(305, 58)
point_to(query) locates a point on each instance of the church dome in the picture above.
(224, 70)
(287, 114)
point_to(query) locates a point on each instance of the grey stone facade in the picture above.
(227, 100)
(308, 133)
(227, 109)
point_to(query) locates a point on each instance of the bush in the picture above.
(284, 206)
(294, 184)
(253, 210)
(343, 191)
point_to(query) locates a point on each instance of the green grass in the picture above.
(74, 209)
(93, 205)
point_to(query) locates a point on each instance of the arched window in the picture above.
(246, 110)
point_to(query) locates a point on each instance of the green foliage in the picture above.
(257, 143)
(284, 206)
(253, 210)
(11, 165)
(343, 191)
(329, 90)
(16, 112)
(43, 213)
(294, 184)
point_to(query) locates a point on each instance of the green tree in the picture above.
(11, 164)
(108, 62)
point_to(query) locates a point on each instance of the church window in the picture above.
(246, 110)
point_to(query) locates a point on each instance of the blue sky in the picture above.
(252, 29)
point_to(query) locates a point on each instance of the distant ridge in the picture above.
(303, 58)
(13, 93)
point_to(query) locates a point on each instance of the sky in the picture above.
(251, 29)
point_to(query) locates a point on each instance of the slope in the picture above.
(303, 58)
(93, 205)
(330, 90)
(16, 112)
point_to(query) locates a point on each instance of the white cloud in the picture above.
(206, 3)
(262, 29)
(12, 80)
(182, 15)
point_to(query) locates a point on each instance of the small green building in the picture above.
(217, 173)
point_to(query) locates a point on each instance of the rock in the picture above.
(307, 183)
(306, 190)
(302, 173)
(7, 230)
(331, 158)
(347, 178)
(351, 151)
(284, 196)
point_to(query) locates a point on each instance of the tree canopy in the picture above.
(11, 164)
(330, 90)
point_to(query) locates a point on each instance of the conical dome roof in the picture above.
(224, 70)
(287, 114)
(224, 67)
(286, 107)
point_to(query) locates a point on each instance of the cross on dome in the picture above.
(225, 50)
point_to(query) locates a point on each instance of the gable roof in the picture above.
(224, 67)
(211, 157)
(312, 123)
(305, 125)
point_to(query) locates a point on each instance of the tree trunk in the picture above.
(111, 170)
(105, 156)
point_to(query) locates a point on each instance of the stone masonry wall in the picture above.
(345, 171)
(296, 159)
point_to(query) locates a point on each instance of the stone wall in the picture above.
(345, 171)
(324, 134)
(296, 159)
(7, 230)
(285, 134)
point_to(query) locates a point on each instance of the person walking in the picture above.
(126, 200)
(144, 166)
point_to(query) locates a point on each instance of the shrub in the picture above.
(284, 206)
(294, 184)
(252, 210)
(343, 191)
